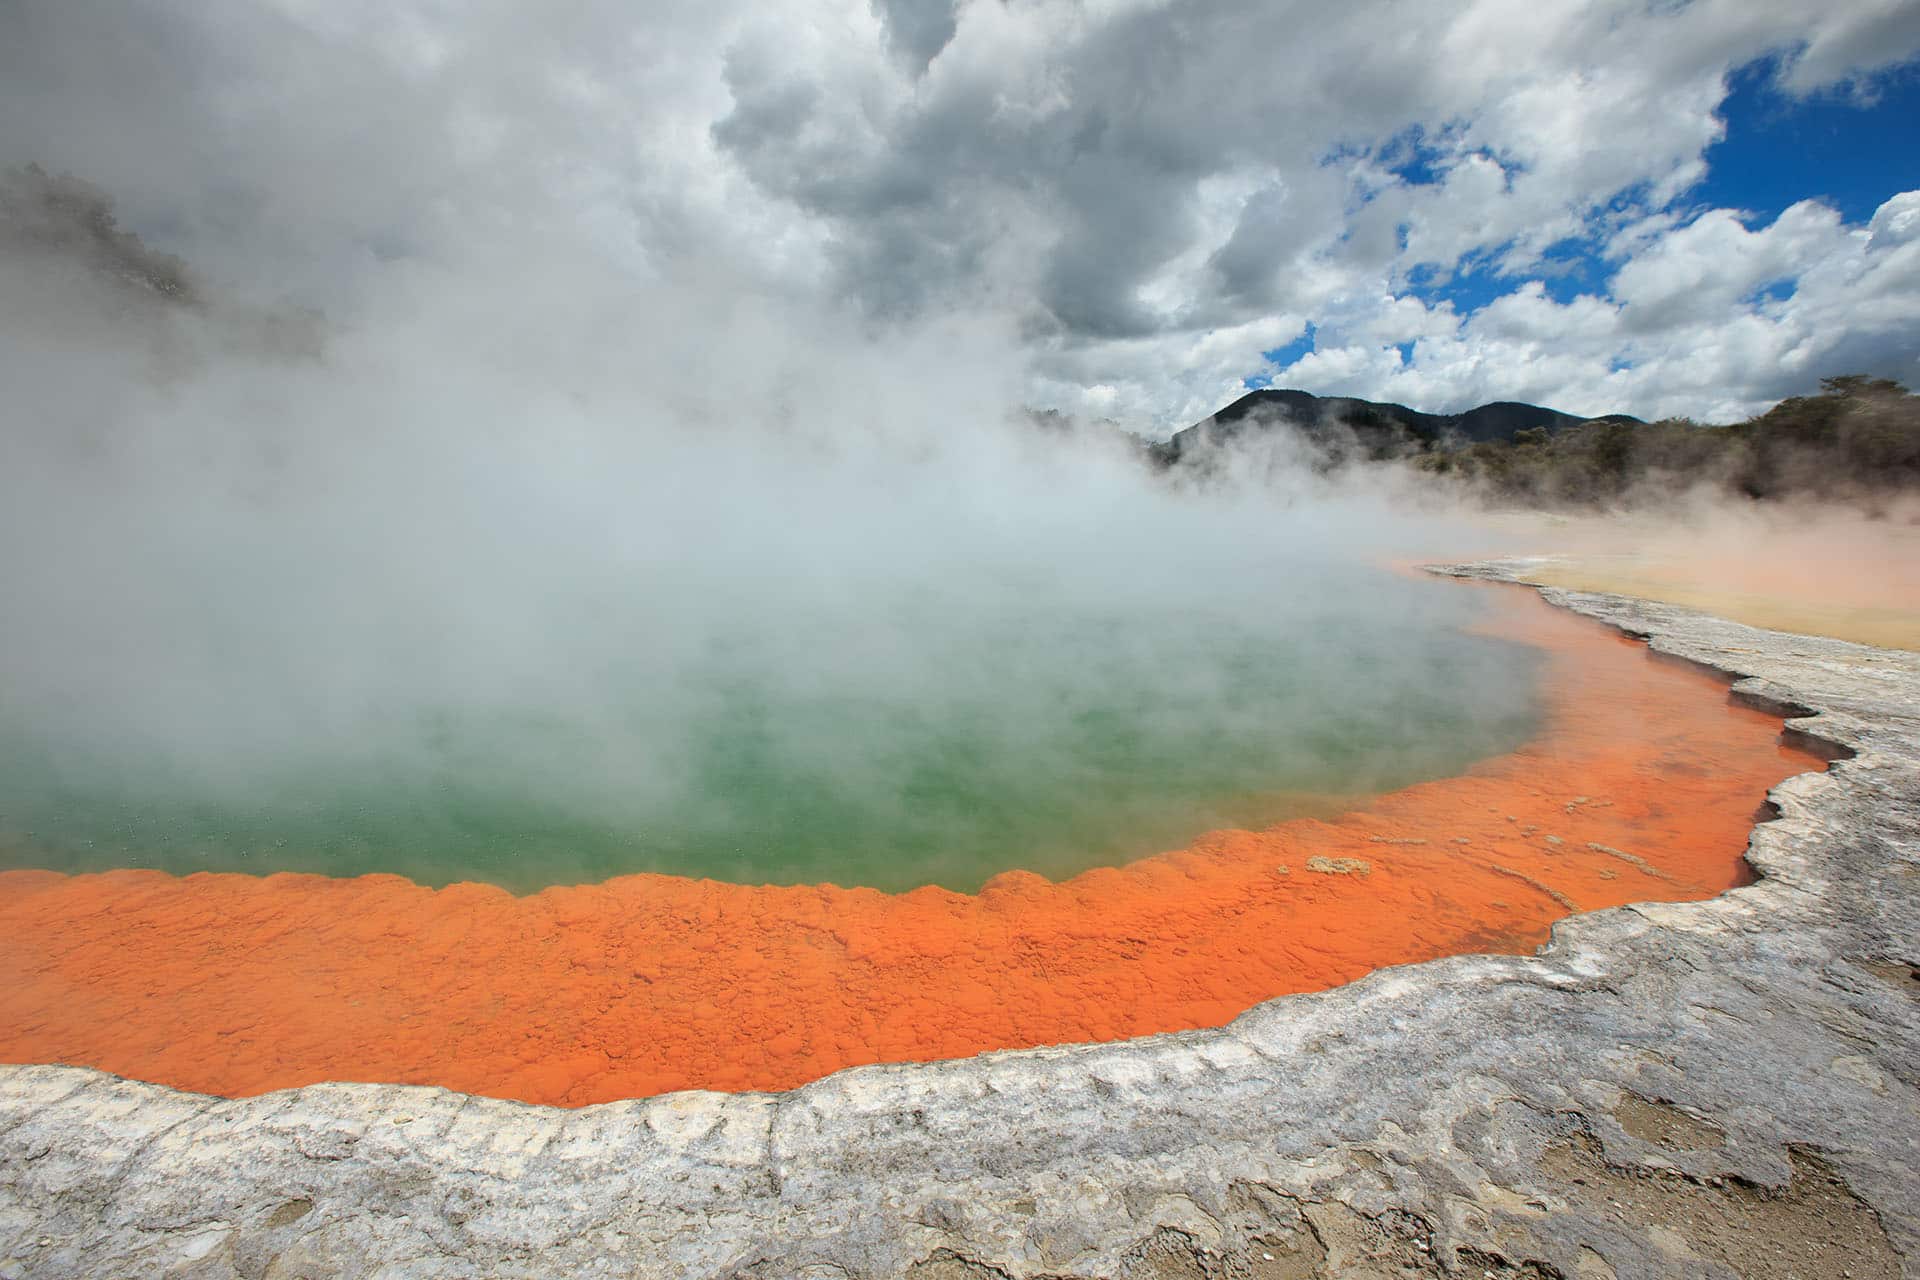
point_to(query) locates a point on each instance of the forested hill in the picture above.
(1858, 440)
(1375, 427)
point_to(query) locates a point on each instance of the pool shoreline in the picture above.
(1491, 1111)
(1639, 782)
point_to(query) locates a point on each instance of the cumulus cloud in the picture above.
(1708, 318)
(1145, 192)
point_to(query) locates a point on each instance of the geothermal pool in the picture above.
(936, 746)
(1636, 781)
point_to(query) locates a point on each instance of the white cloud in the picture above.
(1686, 330)
(1896, 222)
(1703, 271)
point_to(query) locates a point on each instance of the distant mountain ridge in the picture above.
(1376, 427)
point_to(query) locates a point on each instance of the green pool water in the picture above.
(855, 749)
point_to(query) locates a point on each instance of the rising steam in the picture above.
(628, 555)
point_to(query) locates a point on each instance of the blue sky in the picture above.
(1849, 149)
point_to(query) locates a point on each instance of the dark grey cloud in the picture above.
(917, 30)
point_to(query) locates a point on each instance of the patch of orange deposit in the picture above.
(1643, 784)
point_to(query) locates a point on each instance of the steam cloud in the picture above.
(513, 527)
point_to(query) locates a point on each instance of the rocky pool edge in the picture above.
(1660, 1089)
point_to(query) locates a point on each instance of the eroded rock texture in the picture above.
(1722, 1088)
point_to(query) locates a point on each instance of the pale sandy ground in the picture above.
(1819, 572)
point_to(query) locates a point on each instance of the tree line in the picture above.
(1857, 440)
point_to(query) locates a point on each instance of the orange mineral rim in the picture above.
(1642, 784)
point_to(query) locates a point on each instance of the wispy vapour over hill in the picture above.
(65, 217)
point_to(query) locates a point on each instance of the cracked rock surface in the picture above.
(1720, 1088)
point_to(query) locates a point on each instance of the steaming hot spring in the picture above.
(580, 774)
